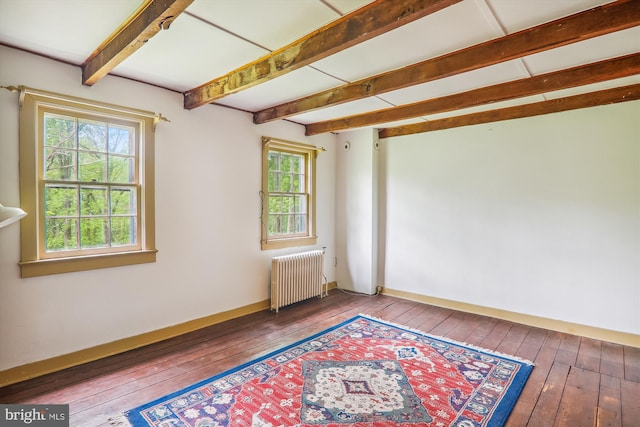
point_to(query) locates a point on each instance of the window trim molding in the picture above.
(310, 238)
(32, 264)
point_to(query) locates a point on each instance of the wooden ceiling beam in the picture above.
(592, 99)
(149, 19)
(574, 28)
(363, 24)
(597, 72)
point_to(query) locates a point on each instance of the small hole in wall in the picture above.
(346, 146)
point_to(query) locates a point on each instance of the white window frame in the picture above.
(35, 260)
(309, 153)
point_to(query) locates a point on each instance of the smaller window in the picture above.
(288, 194)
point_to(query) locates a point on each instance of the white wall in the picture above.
(537, 216)
(356, 211)
(208, 164)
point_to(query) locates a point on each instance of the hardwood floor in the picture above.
(576, 381)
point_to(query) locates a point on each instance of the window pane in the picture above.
(121, 169)
(274, 224)
(301, 204)
(295, 164)
(291, 224)
(285, 182)
(284, 224)
(121, 139)
(274, 161)
(287, 204)
(93, 201)
(62, 234)
(92, 136)
(93, 233)
(275, 204)
(274, 181)
(123, 231)
(60, 200)
(59, 164)
(123, 201)
(92, 167)
(59, 131)
(285, 162)
(297, 186)
(301, 223)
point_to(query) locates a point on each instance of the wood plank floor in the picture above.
(577, 382)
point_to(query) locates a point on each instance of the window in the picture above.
(288, 194)
(86, 181)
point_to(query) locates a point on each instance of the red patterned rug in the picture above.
(362, 372)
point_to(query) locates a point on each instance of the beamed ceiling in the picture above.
(400, 66)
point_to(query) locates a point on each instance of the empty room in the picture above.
(319, 213)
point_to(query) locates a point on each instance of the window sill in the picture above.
(91, 262)
(289, 243)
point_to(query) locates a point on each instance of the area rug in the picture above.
(362, 372)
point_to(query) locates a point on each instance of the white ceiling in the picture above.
(213, 37)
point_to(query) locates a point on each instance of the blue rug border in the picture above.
(500, 415)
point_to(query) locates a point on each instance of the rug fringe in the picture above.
(449, 340)
(119, 421)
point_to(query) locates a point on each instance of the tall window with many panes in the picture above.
(288, 194)
(86, 180)
(90, 184)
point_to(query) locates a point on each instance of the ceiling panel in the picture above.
(165, 61)
(52, 28)
(399, 123)
(345, 6)
(214, 37)
(591, 50)
(610, 84)
(267, 23)
(516, 15)
(425, 38)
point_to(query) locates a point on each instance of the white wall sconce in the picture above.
(9, 215)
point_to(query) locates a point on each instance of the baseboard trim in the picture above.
(58, 363)
(617, 337)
